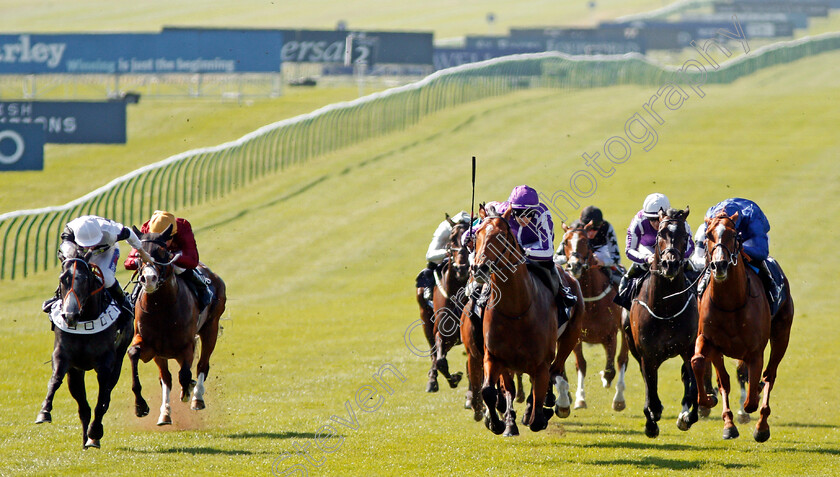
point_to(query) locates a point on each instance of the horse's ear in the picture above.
(686, 211)
(589, 225)
(136, 232)
(482, 212)
(507, 213)
(565, 227)
(662, 213)
(734, 217)
(449, 220)
(167, 233)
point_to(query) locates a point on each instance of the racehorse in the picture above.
(442, 320)
(166, 321)
(519, 323)
(662, 322)
(601, 322)
(89, 334)
(735, 321)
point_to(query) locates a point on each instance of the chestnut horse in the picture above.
(601, 320)
(735, 321)
(662, 322)
(80, 347)
(519, 324)
(166, 321)
(442, 320)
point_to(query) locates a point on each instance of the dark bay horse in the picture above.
(441, 321)
(735, 321)
(519, 324)
(89, 335)
(601, 321)
(166, 322)
(662, 322)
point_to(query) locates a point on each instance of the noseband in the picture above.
(733, 255)
(492, 264)
(583, 259)
(661, 252)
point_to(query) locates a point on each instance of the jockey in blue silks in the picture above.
(531, 224)
(752, 226)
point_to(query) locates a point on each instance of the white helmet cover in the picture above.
(88, 233)
(653, 203)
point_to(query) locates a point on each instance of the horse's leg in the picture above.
(688, 416)
(492, 370)
(520, 389)
(185, 374)
(474, 398)
(510, 416)
(729, 429)
(580, 367)
(428, 330)
(539, 419)
(704, 355)
(743, 377)
(165, 388)
(565, 345)
(76, 385)
(779, 338)
(618, 401)
(754, 365)
(562, 407)
(107, 375)
(60, 367)
(762, 428)
(141, 408)
(208, 335)
(608, 374)
(653, 406)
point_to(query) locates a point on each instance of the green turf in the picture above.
(320, 262)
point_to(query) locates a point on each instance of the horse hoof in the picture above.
(454, 380)
(164, 421)
(197, 404)
(432, 387)
(478, 415)
(619, 406)
(731, 433)
(683, 422)
(704, 411)
(562, 412)
(538, 425)
(92, 443)
(651, 429)
(580, 404)
(511, 431)
(43, 417)
(761, 436)
(550, 400)
(744, 418)
(141, 409)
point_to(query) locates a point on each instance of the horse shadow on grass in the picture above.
(659, 463)
(274, 435)
(193, 451)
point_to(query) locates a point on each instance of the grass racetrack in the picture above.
(320, 263)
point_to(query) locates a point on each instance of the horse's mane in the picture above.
(676, 214)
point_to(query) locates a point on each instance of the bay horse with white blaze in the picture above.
(167, 320)
(601, 323)
(519, 323)
(89, 335)
(735, 321)
(662, 322)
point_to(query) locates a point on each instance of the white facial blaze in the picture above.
(717, 255)
(150, 278)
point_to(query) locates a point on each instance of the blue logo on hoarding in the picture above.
(69, 122)
(21, 147)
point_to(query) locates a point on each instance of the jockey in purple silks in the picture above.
(531, 224)
(641, 242)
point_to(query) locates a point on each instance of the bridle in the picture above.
(680, 254)
(732, 255)
(510, 264)
(95, 271)
(160, 267)
(583, 259)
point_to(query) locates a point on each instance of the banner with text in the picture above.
(21, 147)
(69, 122)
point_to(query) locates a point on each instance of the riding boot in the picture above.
(48, 303)
(426, 280)
(120, 299)
(199, 286)
(704, 282)
(772, 289)
(623, 298)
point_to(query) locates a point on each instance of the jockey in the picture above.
(641, 240)
(183, 242)
(604, 244)
(90, 233)
(437, 252)
(531, 224)
(752, 226)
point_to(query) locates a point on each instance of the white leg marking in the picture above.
(562, 392)
(580, 395)
(198, 391)
(619, 385)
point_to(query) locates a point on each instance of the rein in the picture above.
(650, 311)
(733, 260)
(97, 272)
(512, 263)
